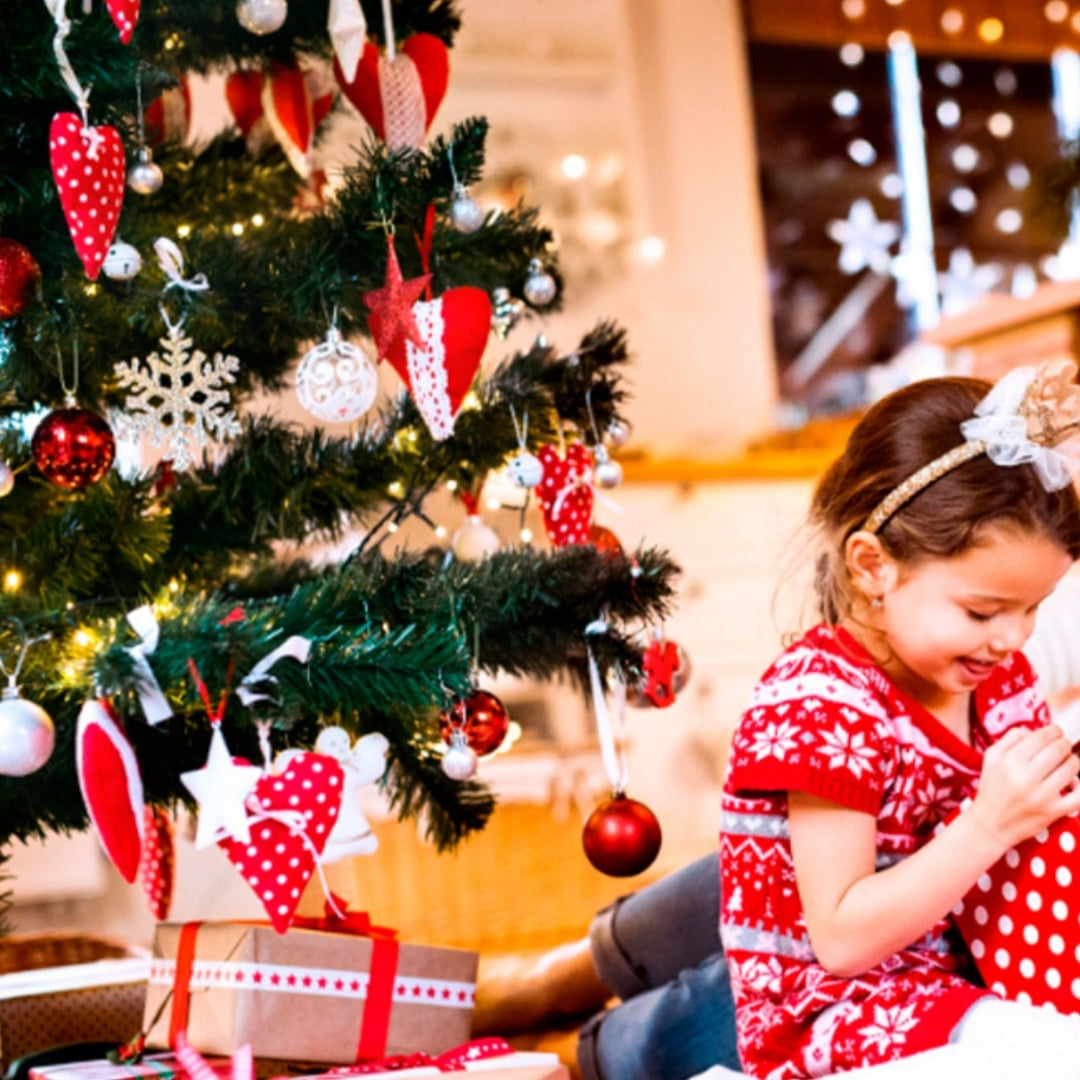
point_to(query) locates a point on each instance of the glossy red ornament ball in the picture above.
(73, 447)
(482, 718)
(605, 541)
(19, 278)
(621, 837)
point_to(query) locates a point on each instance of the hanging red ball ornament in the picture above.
(73, 447)
(621, 837)
(481, 717)
(19, 278)
(606, 542)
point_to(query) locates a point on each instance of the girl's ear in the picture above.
(872, 569)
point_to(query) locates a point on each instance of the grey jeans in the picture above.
(659, 952)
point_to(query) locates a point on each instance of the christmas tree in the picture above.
(150, 290)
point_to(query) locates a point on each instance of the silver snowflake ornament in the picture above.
(177, 397)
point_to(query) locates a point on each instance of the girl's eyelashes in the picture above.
(979, 616)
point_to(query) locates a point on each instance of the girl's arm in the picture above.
(857, 917)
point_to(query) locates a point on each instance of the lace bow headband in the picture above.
(1029, 411)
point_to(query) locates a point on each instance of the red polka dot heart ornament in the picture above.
(290, 815)
(565, 493)
(88, 167)
(125, 14)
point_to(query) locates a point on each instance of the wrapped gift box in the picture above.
(160, 1066)
(1021, 921)
(307, 995)
(519, 1065)
(99, 1001)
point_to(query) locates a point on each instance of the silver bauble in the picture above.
(459, 760)
(262, 16)
(336, 381)
(540, 287)
(122, 262)
(618, 433)
(7, 478)
(26, 734)
(525, 469)
(474, 540)
(606, 473)
(466, 214)
(145, 176)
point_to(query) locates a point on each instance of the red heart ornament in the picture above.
(243, 93)
(125, 13)
(454, 329)
(565, 494)
(88, 167)
(399, 98)
(292, 813)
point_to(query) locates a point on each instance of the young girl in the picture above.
(947, 520)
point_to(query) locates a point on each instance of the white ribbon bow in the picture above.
(299, 648)
(155, 706)
(999, 424)
(171, 261)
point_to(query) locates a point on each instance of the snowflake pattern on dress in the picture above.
(825, 719)
(177, 397)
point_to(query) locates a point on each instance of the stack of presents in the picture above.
(334, 998)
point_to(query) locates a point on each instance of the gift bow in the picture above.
(338, 919)
(454, 1060)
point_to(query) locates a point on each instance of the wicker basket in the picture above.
(24, 952)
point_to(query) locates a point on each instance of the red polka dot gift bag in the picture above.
(1021, 921)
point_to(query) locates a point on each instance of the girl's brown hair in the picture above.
(896, 437)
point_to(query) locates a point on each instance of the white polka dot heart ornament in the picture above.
(1021, 920)
(88, 167)
(292, 811)
(565, 493)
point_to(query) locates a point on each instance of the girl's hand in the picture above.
(1028, 780)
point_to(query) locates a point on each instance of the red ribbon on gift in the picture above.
(375, 1022)
(451, 1061)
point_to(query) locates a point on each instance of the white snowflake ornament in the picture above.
(864, 240)
(177, 396)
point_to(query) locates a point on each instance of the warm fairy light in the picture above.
(574, 166)
(440, 531)
(493, 503)
(238, 228)
(894, 3)
(853, 9)
(396, 489)
(1074, 22)
(451, 485)
(258, 220)
(1000, 125)
(82, 638)
(12, 580)
(898, 38)
(952, 20)
(91, 288)
(183, 231)
(991, 30)
(1056, 11)
(392, 527)
(652, 249)
(526, 536)
(174, 586)
(851, 54)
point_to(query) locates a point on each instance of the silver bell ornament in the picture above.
(122, 262)
(336, 381)
(618, 433)
(145, 176)
(525, 469)
(7, 478)
(505, 312)
(459, 761)
(262, 16)
(606, 472)
(26, 733)
(466, 214)
(540, 287)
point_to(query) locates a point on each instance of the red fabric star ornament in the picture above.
(392, 305)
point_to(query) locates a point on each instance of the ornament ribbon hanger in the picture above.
(171, 261)
(81, 97)
(25, 644)
(612, 749)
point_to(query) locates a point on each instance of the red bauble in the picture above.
(482, 717)
(19, 277)
(605, 541)
(621, 837)
(73, 447)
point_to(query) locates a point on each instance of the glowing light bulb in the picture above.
(526, 536)
(451, 485)
(991, 30)
(574, 166)
(12, 580)
(183, 231)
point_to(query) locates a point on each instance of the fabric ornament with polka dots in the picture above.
(1019, 920)
(125, 13)
(291, 813)
(88, 167)
(157, 865)
(565, 493)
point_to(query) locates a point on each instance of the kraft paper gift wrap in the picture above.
(306, 995)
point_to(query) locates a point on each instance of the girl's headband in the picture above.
(1023, 418)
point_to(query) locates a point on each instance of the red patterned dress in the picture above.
(826, 720)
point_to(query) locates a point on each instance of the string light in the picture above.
(12, 580)
(991, 30)
(526, 536)
(451, 485)
(238, 228)
(82, 637)
(396, 489)
(440, 531)
(392, 527)
(183, 231)
(258, 220)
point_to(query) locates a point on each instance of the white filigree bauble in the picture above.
(336, 381)
(177, 397)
